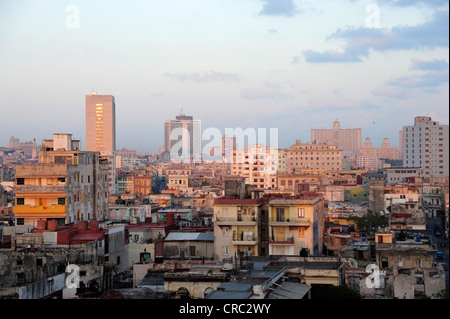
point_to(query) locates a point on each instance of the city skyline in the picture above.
(292, 65)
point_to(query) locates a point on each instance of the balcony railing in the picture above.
(290, 220)
(287, 240)
(42, 210)
(235, 219)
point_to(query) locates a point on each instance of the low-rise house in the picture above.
(198, 282)
(189, 245)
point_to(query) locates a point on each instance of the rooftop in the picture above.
(190, 236)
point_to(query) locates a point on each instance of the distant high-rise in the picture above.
(101, 129)
(228, 147)
(183, 136)
(344, 139)
(425, 145)
(100, 123)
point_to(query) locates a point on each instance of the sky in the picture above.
(293, 65)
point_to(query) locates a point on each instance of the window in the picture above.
(225, 251)
(192, 250)
(20, 181)
(20, 201)
(39, 262)
(21, 277)
(280, 214)
(301, 232)
(61, 201)
(225, 231)
(301, 212)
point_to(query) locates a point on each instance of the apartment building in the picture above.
(395, 175)
(125, 183)
(281, 161)
(313, 156)
(270, 225)
(258, 165)
(425, 145)
(240, 228)
(142, 184)
(296, 225)
(400, 194)
(66, 185)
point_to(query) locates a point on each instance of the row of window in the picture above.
(21, 201)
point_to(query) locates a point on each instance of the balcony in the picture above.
(58, 188)
(40, 211)
(286, 241)
(224, 221)
(297, 222)
(245, 240)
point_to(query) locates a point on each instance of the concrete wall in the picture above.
(25, 267)
(118, 250)
(196, 288)
(42, 288)
(135, 249)
(203, 249)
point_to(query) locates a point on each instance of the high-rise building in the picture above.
(425, 145)
(101, 130)
(228, 147)
(183, 137)
(344, 139)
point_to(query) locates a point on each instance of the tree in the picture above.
(371, 221)
(440, 295)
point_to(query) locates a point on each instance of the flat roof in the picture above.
(190, 236)
(289, 290)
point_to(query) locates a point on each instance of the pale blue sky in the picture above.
(294, 65)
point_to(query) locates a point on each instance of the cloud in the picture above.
(349, 55)
(212, 76)
(408, 3)
(278, 8)
(325, 104)
(432, 75)
(427, 80)
(433, 65)
(270, 90)
(360, 41)
(391, 92)
(265, 93)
